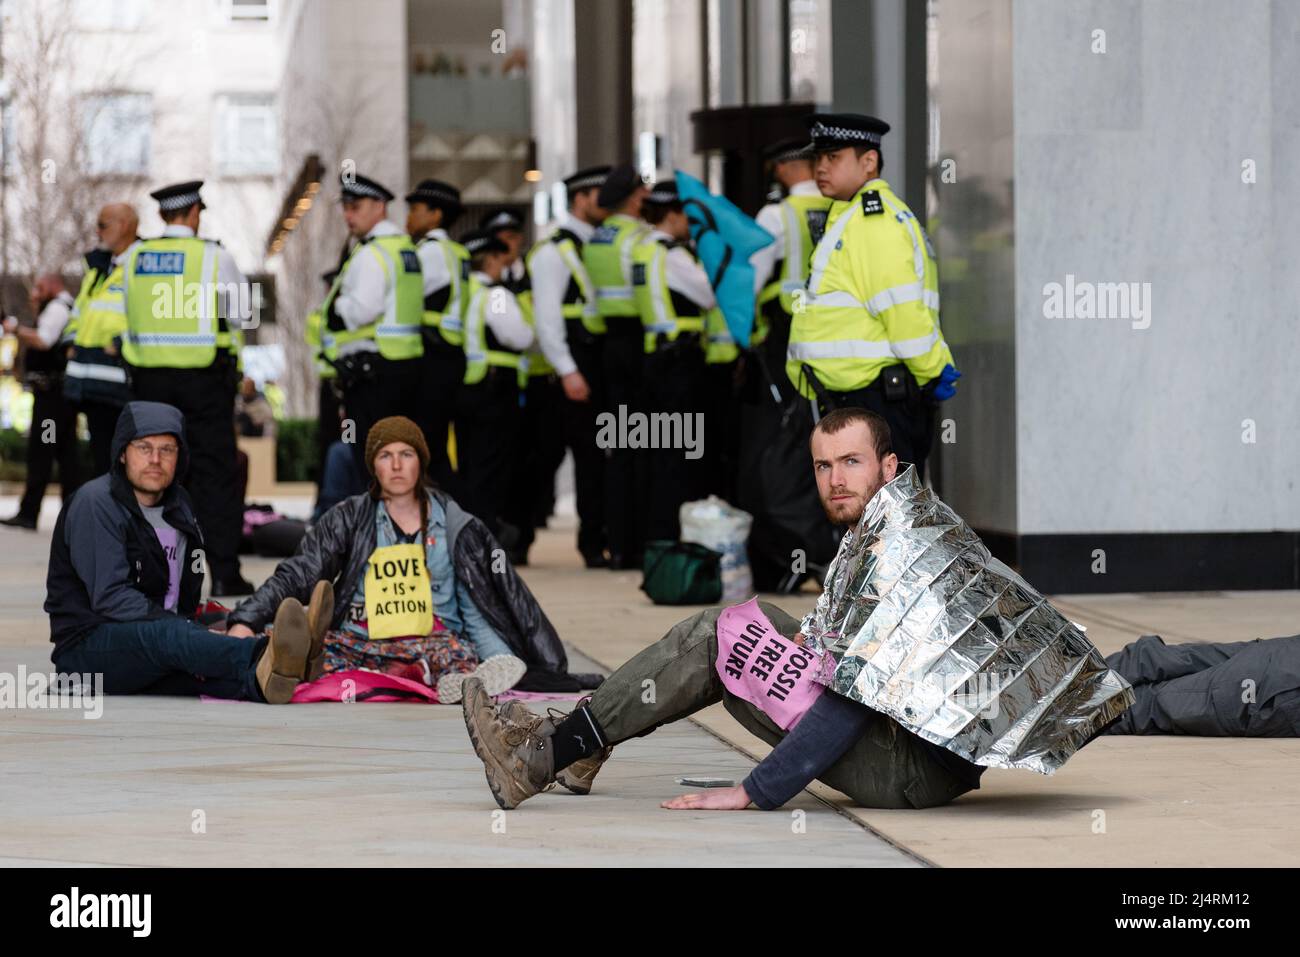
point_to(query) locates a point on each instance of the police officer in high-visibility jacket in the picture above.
(531, 499)
(608, 258)
(488, 414)
(869, 335)
(186, 303)
(797, 221)
(432, 208)
(375, 311)
(674, 296)
(95, 379)
(562, 299)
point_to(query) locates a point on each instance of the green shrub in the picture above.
(13, 457)
(295, 450)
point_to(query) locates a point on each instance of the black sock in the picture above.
(576, 737)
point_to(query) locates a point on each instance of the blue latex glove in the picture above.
(945, 387)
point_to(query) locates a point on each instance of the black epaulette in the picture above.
(872, 204)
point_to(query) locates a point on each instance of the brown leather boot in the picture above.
(320, 612)
(284, 660)
(516, 757)
(579, 775)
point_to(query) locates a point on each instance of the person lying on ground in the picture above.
(424, 591)
(126, 571)
(851, 747)
(1248, 689)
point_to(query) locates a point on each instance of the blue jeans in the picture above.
(167, 656)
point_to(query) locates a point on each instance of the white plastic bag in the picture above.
(713, 523)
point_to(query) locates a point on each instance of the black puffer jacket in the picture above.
(339, 546)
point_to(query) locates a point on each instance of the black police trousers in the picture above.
(624, 358)
(206, 397)
(910, 418)
(540, 452)
(672, 475)
(101, 422)
(488, 419)
(387, 387)
(53, 435)
(441, 377)
(580, 436)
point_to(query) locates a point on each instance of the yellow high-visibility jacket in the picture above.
(872, 299)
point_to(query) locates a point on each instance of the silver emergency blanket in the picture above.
(929, 628)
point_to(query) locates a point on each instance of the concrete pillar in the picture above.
(603, 66)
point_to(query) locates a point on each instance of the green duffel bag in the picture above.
(682, 573)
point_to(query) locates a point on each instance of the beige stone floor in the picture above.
(397, 783)
(174, 781)
(1142, 802)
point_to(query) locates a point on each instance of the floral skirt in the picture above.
(423, 659)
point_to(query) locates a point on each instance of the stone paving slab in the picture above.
(398, 783)
(172, 781)
(1141, 802)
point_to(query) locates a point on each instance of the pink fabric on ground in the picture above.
(356, 686)
(372, 686)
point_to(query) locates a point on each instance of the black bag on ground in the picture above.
(279, 539)
(682, 573)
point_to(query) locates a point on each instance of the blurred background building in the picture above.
(1110, 141)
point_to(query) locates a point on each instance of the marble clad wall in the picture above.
(1127, 163)
(970, 221)
(1128, 168)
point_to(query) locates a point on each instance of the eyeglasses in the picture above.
(148, 450)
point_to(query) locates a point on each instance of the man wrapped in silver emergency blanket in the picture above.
(929, 628)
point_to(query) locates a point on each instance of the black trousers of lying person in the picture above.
(1248, 689)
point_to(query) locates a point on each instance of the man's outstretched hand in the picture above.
(714, 799)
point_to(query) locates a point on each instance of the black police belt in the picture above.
(664, 341)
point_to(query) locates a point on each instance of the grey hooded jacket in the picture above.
(106, 563)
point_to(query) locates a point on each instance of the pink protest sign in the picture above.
(757, 663)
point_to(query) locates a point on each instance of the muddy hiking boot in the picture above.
(284, 660)
(577, 777)
(320, 612)
(516, 757)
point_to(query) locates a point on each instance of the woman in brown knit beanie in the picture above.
(402, 609)
(398, 428)
(458, 642)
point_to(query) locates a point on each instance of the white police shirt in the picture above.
(550, 276)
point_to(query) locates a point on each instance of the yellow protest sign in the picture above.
(399, 601)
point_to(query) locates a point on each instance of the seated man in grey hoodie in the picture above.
(125, 573)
